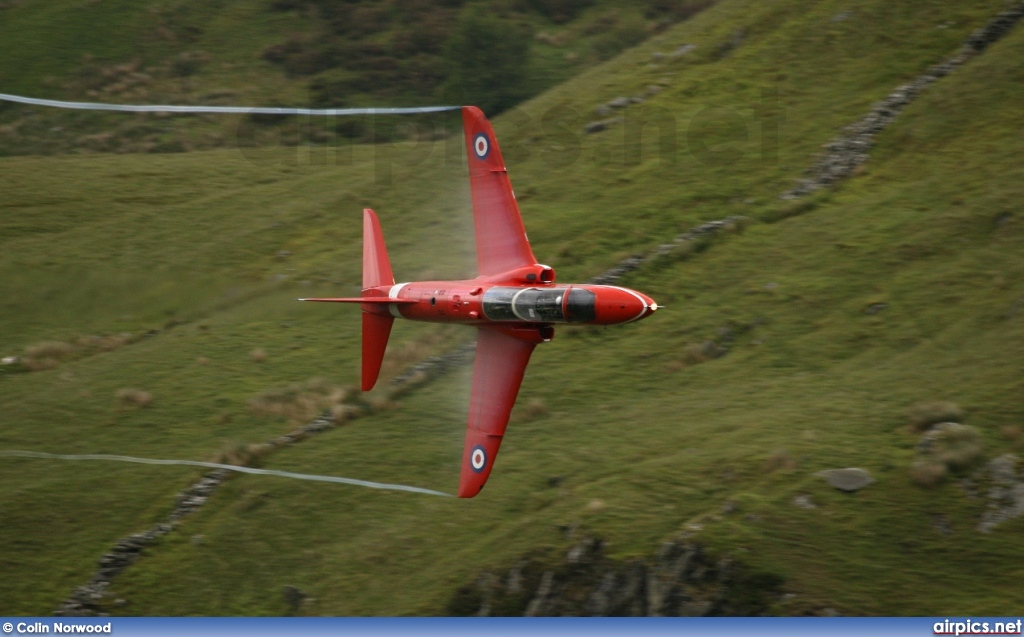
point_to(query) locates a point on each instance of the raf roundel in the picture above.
(478, 459)
(481, 146)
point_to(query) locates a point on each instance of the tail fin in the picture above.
(377, 321)
(376, 266)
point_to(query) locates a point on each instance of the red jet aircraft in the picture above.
(514, 302)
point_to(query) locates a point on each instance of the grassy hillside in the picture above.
(197, 258)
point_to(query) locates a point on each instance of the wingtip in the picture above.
(478, 459)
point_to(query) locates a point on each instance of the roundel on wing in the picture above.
(478, 459)
(481, 146)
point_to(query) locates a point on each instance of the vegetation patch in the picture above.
(923, 416)
(132, 397)
(300, 403)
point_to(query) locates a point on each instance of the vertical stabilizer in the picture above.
(377, 320)
(376, 266)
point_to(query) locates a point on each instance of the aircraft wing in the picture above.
(501, 361)
(501, 243)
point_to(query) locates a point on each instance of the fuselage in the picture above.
(482, 301)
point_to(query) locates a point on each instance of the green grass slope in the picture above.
(185, 254)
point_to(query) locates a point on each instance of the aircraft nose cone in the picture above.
(652, 306)
(621, 305)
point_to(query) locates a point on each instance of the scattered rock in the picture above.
(705, 351)
(804, 502)
(875, 308)
(842, 15)
(619, 102)
(294, 598)
(600, 125)
(1006, 497)
(729, 45)
(682, 50)
(9, 360)
(850, 479)
(941, 523)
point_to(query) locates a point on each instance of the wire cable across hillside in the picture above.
(217, 465)
(245, 110)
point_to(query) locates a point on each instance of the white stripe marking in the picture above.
(395, 289)
(393, 294)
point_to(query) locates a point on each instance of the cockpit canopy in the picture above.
(540, 305)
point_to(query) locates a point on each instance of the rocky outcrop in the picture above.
(850, 150)
(1006, 496)
(618, 104)
(681, 579)
(850, 479)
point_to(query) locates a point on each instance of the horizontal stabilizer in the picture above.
(363, 299)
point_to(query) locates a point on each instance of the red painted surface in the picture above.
(376, 265)
(501, 243)
(501, 360)
(376, 330)
(514, 302)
